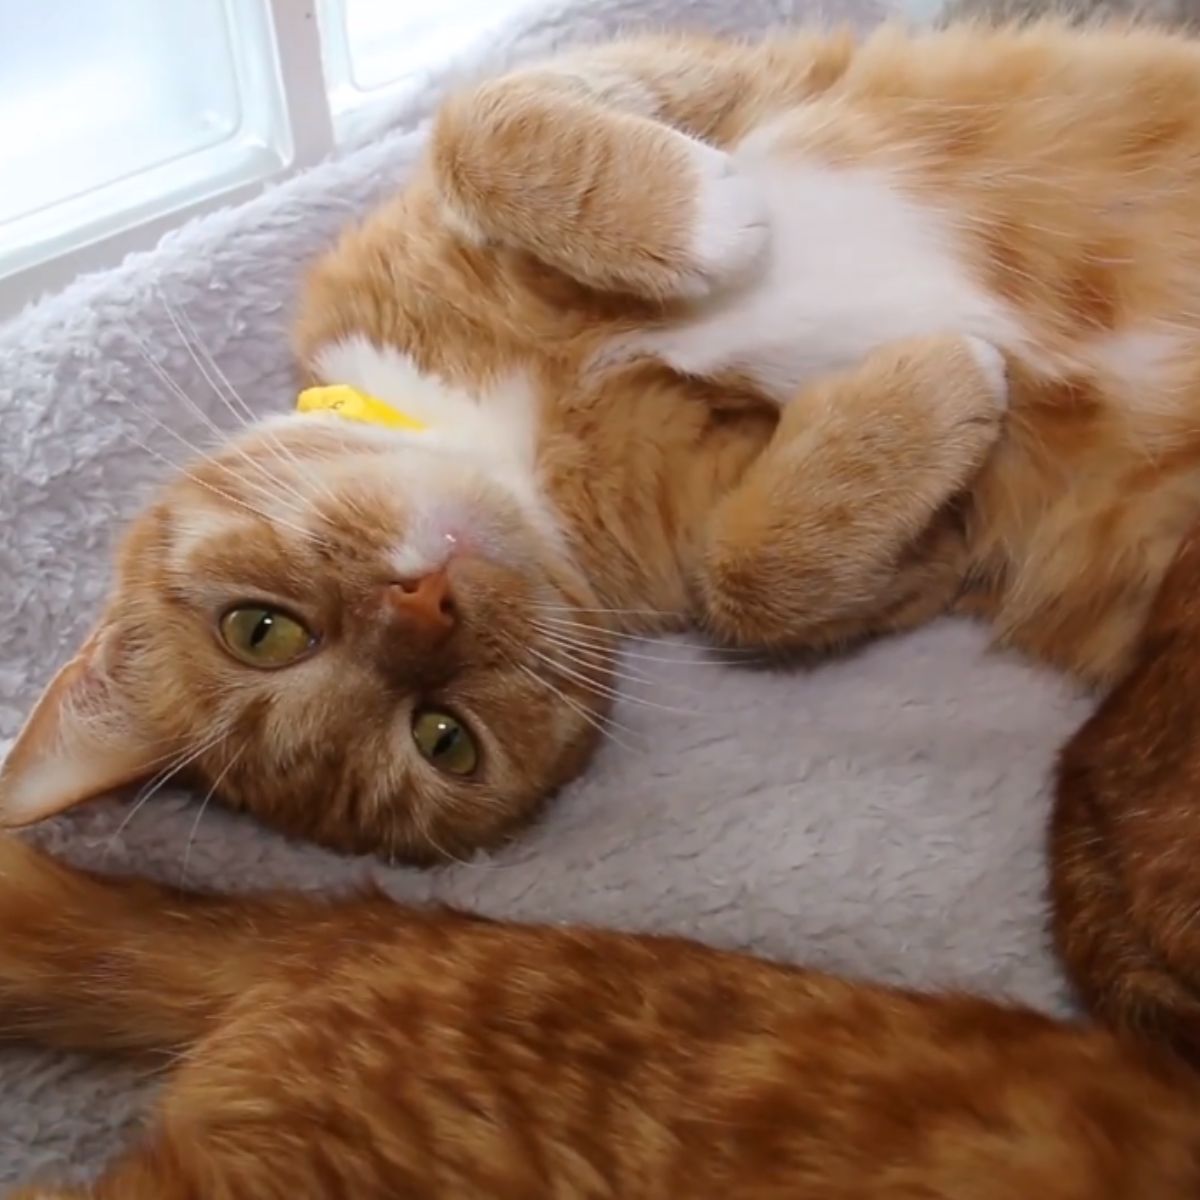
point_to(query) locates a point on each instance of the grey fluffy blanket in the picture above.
(882, 815)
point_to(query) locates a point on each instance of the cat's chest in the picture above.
(853, 263)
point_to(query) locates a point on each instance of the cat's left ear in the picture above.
(79, 742)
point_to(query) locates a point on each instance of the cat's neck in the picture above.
(497, 422)
(633, 470)
(622, 475)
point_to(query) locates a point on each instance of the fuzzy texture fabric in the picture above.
(1172, 13)
(882, 815)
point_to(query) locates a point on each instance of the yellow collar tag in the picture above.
(354, 405)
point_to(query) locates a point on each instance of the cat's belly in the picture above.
(853, 263)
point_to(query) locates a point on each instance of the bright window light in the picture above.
(375, 48)
(120, 119)
(116, 110)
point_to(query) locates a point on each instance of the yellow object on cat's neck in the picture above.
(354, 405)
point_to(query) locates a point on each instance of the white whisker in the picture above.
(596, 646)
(601, 689)
(613, 665)
(220, 434)
(602, 724)
(270, 520)
(200, 455)
(217, 380)
(425, 829)
(621, 612)
(233, 400)
(187, 852)
(164, 777)
(735, 653)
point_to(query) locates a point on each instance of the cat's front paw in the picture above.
(964, 390)
(955, 378)
(729, 223)
(940, 399)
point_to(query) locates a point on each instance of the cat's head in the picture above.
(344, 629)
(373, 638)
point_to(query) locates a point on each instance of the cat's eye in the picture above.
(264, 637)
(445, 742)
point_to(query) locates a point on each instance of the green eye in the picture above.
(264, 637)
(444, 741)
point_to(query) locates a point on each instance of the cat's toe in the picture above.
(990, 361)
(730, 227)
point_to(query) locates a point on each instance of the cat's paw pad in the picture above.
(990, 361)
(730, 225)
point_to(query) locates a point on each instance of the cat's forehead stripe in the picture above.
(200, 523)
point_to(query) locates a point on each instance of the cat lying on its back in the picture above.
(702, 334)
(399, 639)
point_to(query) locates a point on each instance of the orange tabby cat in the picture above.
(685, 320)
(357, 1049)
(1126, 831)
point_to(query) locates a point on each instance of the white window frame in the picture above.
(306, 134)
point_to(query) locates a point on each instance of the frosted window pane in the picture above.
(97, 90)
(377, 43)
(388, 40)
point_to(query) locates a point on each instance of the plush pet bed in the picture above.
(882, 815)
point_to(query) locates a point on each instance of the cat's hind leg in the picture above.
(1125, 833)
(844, 526)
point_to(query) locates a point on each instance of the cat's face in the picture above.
(371, 639)
(343, 629)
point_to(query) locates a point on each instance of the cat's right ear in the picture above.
(79, 742)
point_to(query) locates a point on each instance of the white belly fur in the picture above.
(853, 263)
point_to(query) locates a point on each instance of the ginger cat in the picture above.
(1126, 830)
(701, 334)
(684, 318)
(353, 1048)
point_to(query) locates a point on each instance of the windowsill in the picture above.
(299, 125)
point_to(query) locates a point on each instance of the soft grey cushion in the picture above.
(882, 815)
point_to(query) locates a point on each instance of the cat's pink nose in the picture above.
(424, 606)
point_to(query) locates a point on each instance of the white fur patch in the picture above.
(493, 431)
(991, 363)
(200, 523)
(732, 224)
(37, 792)
(1141, 362)
(853, 264)
(461, 224)
(498, 422)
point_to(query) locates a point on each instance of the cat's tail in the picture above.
(116, 964)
